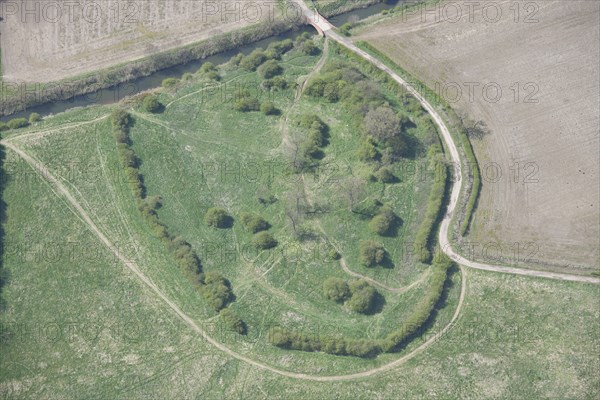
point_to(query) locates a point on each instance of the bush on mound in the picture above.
(336, 289)
(254, 223)
(217, 218)
(264, 240)
(371, 253)
(363, 297)
(151, 104)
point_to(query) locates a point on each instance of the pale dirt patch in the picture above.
(46, 46)
(559, 134)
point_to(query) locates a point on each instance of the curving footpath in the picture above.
(322, 25)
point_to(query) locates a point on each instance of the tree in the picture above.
(216, 290)
(270, 69)
(207, 67)
(254, 223)
(34, 117)
(233, 321)
(17, 123)
(371, 253)
(268, 108)
(169, 82)
(309, 48)
(264, 240)
(383, 222)
(367, 150)
(363, 297)
(247, 104)
(253, 60)
(3, 126)
(382, 123)
(386, 175)
(151, 104)
(217, 218)
(336, 289)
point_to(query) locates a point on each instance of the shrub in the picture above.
(34, 117)
(187, 77)
(386, 175)
(345, 28)
(3, 126)
(207, 67)
(233, 321)
(213, 76)
(367, 150)
(217, 218)
(247, 104)
(216, 290)
(120, 119)
(151, 104)
(309, 48)
(254, 223)
(281, 47)
(264, 240)
(270, 69)
(268, 108)
(169, 82)
(363, 297)
(371, 253)
(333, 254)
(336, 289)
(382, 223)
(253, 60)
(277, 82)
(17, 123)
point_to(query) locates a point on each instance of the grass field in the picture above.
(81, 326)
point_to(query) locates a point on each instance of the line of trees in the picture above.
(413, 325)
(214, 287)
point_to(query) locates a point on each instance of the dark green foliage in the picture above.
(277, 82)
(268, 108)
(216, 290)
(254, 223)
(281, 47)
(386, 175)
(34, 117)
(253, 60)
(333, 254)
(383, 222)
(336, 289)
(367, 150)
(120, 120)
(264, 240)
(151, 104)
(169, 82)
(217, 218)
(247, 104)
(270, 69)
(345, 28)
(17, 123)
(371, 253)
(233, 321)
(363, 297)
(309, 48)
(3, 126)
(207, 67)
(434, 204)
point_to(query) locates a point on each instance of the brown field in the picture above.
(61, 39)
(550, 207)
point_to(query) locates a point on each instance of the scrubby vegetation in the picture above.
(254, 223)
(336, 289)
(264, 241)
(217, 218)
(17, 123)
(371, 253)
(151, 104)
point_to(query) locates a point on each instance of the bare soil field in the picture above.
(45, 41)
(530, 72)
